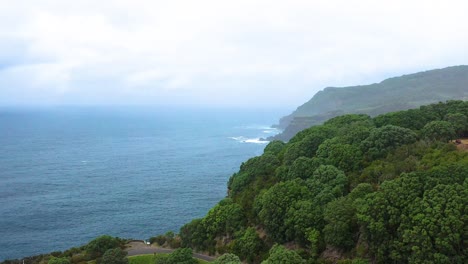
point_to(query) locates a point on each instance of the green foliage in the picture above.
(357, 186)
(394, 94)
(274, 147)
(344, 156)
(301, 216)
(178, 256)
(384, 139)
(302, 168)
(100, 245)
(439, 130)
(225, 218)
(306, 143)
(273, 205)
(249, 246)
(315, 239)
(114, 256)
(459, 122)
(279, 254)
(181, 256)
(161, 259)
(327, 178)
(341, 223)
(254, 168)
(344, 120)
(142, 259)
(227, 258)
(418, 216)
(55, 260)
(194, 235)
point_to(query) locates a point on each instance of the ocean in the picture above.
(70, 174)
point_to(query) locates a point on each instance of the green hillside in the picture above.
(398, 93)
(388, 189)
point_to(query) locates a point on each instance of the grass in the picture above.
(142, 259)
(150, 258)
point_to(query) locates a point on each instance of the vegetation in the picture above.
(394, 94)
(142, 259)
(358, 189)
(179, 256)
(102, 250)
(388, 189)
(228, 258)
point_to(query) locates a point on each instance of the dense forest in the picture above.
(393, 94)
(388, 189)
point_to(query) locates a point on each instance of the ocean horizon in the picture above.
(70, 174)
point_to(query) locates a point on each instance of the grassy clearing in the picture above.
(142, 259)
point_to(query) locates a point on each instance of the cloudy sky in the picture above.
(215, 52)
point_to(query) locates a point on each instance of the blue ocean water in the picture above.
(68, 175)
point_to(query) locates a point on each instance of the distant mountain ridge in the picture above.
(393, 94)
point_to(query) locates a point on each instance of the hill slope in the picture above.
(398, 93)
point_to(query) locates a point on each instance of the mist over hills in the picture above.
(393, 94)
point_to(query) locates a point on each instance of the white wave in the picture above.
(242, 139)
(256, 127)
(271, 131)
(256, 141)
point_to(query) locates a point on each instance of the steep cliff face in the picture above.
(398, 93)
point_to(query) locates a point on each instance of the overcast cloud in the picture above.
(231, 53)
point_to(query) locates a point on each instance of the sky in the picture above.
(215, 52)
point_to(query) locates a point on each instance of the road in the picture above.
(140, 248)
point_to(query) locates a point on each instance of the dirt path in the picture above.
(139, 248)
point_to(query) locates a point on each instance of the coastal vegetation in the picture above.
(393, 94)
(357, 189)
(392, 188)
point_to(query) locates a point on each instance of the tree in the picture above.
(100, 245)
(273, 205)
(227, 258)
(279, 255)
(55, 260)
(224, 219)
(114, 256)
(327, 178)
(384, 139)
(346, 120)
(341, 223)
(181, 256)
(344, 156)
(439, 130)
(301, 216)
(178, 256)
(255, 168)
(306, 143)
(459, 122)
(274, 147)
(303, 168)
(249, 246)
(194, 235)
(418, 216)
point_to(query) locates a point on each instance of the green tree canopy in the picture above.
(100, 245)
(273, 205)
(439, 130)
(55, 260)
(279, 254)
(114, 256)
(384, 139)
(249, 246)
(227, 258)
